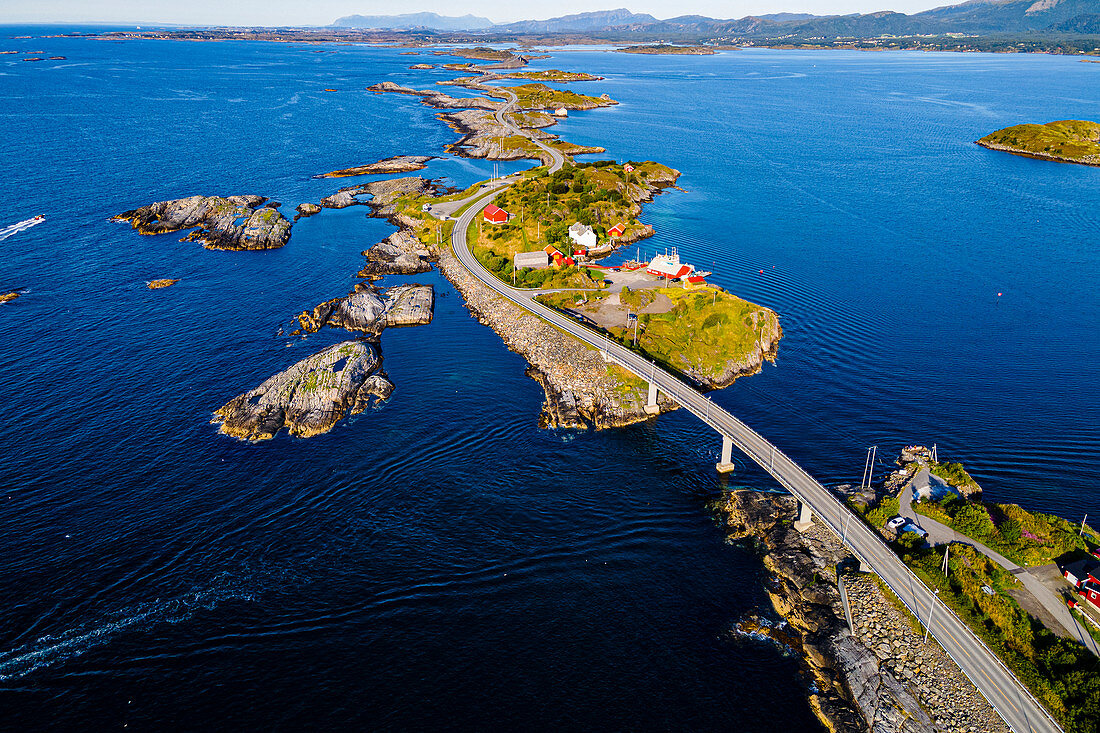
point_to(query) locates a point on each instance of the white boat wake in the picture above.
(21, 226)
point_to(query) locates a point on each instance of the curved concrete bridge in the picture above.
(998, 685)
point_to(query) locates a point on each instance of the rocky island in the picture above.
(1066, 141)
(232, 223)
(369, 312)
(309, 397)
(396, 164)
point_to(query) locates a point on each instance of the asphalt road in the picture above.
(1004, 692)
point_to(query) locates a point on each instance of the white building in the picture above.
(582, 235)
(534, 260)
(669, 266)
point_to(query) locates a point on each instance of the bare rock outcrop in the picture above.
(382, 193)
(369, 312)
(398, 254)
(233, 223)
(396, 164)
(307, 209)
(410, 305)
(311, 396)
(436, 98)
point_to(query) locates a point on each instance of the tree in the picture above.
(973, 521)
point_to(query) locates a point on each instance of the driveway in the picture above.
(1041, 595)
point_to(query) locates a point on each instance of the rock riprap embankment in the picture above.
(369, 312)
(882, 678)
(232, 223)
(581, 389)
(310, 397)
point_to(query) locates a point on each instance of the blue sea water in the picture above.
(440, 562)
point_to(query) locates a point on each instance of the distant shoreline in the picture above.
(1082, 45)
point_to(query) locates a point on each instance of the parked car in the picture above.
(897, 523)
(910, 527)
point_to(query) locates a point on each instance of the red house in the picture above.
(617, 231)
(496, 215)
(568, 262)
(628, 168)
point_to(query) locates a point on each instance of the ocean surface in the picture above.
(440, 562)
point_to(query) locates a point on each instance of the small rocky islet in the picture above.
(228, 223)
(309, 397)
(370, 312)
(396, 164)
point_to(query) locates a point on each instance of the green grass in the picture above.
(543, 206)
(1076, 140)
(701, 335)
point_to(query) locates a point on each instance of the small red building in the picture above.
(496, 215)
(1085, 577)
(628, 168)
(568, 262)
(617, 231)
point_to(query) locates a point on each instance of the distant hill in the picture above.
(979, 17)
(581, 22)
(413, 21)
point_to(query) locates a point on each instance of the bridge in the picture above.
(1012, 701)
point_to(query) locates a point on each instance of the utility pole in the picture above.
(935, 454)
(866, 464)
(947, 549)
(1082, 532)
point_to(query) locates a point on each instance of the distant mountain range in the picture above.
(414, 21)
(981, 17)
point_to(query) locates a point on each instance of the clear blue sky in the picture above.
(323, 12)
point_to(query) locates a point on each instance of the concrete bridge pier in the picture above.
(651, 406)
(726, 465)
(805, 517)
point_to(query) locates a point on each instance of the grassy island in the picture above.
(665, 49)
(540, 96)
(1067, 141)
(551, 75)
(706, 334)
